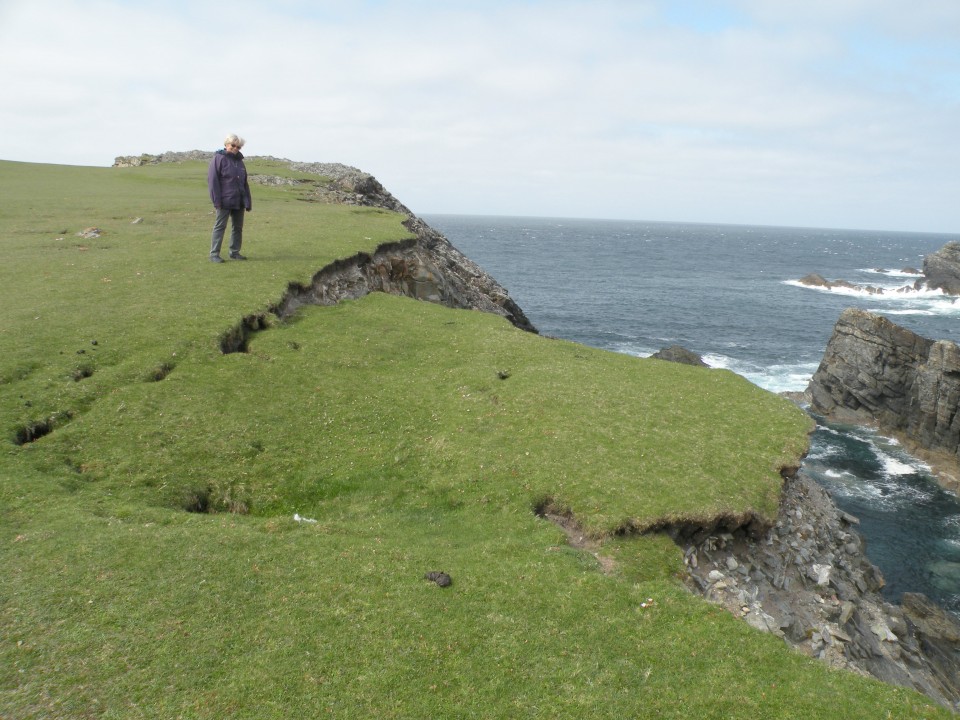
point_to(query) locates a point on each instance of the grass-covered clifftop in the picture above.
(412, 436)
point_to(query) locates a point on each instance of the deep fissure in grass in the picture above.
(160, 372)
(82, 373)
(351, 277)
(198, 501)
(237, 338)
(32, 432)
(207, 501)
(391, 269)
(683, 531)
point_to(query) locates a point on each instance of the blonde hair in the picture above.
(232, 139)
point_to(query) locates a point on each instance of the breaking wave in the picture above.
(787, 377)
(891, 299)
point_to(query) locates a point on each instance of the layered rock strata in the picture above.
(808, 581)
(876, 372)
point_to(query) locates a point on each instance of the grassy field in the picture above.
(150, 562)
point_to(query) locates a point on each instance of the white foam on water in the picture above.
(888, 486)
(923, 301)
(895, 461)
(718, 361)
(892, 273)
(775, 378)
(839, 474)
(889, 291)
(850, 486)
(917, 311)
(894, 467)
(627, 348)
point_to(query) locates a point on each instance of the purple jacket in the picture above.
(227, 180)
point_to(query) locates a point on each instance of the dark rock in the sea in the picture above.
(942, 269)
(876, 371)
(808, 581)
(815, 280)
(678, 354)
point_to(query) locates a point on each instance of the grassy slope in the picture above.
(385, 421)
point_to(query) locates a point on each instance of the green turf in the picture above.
(416, 438)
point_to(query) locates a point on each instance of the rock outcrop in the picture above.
(876, 372)
(818, 281)
(678, 354)
(808, 581)
(942, 269)
(427, 268)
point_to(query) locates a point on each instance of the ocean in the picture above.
(731, 294)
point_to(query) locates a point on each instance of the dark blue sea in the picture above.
(730, 293)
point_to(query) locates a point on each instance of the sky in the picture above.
(812, 113)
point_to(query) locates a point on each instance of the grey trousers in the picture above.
(220, 226)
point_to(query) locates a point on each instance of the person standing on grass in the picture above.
(230, 192)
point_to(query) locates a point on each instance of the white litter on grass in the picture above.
(299, 519)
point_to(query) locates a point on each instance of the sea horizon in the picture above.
(705, 223)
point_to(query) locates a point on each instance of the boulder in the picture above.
(813, 280)
(942, 269)
(678, 354)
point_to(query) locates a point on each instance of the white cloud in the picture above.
(613, 108)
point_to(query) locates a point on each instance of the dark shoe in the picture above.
(237, 256)
(216, 258)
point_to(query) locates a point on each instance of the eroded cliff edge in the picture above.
(875, 372)
(806, 579)
(427, 268)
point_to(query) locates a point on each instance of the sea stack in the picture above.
(874, 371)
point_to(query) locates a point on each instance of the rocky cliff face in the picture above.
(808, 581)
(876, 372)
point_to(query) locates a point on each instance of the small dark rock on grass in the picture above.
(439, 577)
